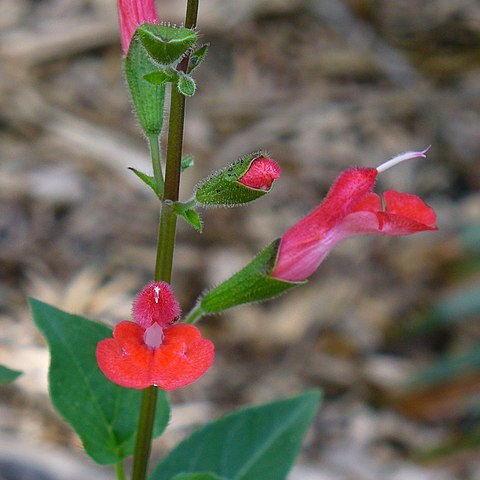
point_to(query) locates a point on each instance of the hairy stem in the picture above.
(165, 247)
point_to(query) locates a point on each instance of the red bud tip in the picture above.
(261, 174)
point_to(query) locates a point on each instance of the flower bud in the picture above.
(261, 174)
(243, 181)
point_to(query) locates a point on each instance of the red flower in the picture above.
(152, 351)
(350, 208)
(262, 173)
(132, 14)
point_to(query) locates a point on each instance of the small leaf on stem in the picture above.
(197, 57)
(148, 180)
(187, 162)
(160, 77)
(186, 85)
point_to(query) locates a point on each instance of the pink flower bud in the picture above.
(155, 303)
(262, 173)
(350, 208)
(132, 14)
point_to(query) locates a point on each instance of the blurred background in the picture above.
(388, 327)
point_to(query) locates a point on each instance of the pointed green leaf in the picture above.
(197, 57)
(187, 162)
(148, 99)
(103, 414)
(166, 45)
(148, 180)
(197, 476)
(7, 375)
(222, 188)
(192, 217)
(161, 77)
(251, 284)
(257, 443)
(186, 85)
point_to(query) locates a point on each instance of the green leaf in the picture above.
(197, 476)
(186, 85)
(148, 180)
(166, 45)
(222, 188)
(7, 375)
(197, 57)
(103, 414)
(187, 162)
(251, 284)
(257, 443)
(192, 217)
(148, 99)
(161, 77)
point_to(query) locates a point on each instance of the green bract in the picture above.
(148, 180)
(166, 45)
(223, 189)
(160, 77)
(148, 98)
(186, 85)
(197, 57)
(253, 283)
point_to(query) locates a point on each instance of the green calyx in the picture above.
(253, 283)
(148, 99)
(166, 45)
(222, 188)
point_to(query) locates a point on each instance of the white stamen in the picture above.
(156, 294)
(402, 158)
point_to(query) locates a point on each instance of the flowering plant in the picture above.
(111, 386)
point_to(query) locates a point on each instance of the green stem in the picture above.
(156, 162)
(165, 247)
(144, 436)
(120, 472)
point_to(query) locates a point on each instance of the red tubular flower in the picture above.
(350, 208)
(152, 351)
(262, 173)
(132, 14)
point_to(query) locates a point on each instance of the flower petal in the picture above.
(182, 359)
(132, 14)
(410, 206)
(125, 359)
